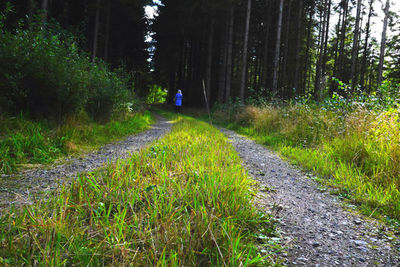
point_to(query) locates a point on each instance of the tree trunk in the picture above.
(354, 55)
(222, 67)
(298, 46)
(245, 44)
(277, 51)
(266, 46)
(209, 59)
(336, 51)
(342, 39)
(96, 30)
(107, 35)
(284, 75)
(365, 52)
(318, 67)
(325, 54)
(229, 55)
(45, 4)
(383, 43)
(307, 56)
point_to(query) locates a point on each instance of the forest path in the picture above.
(316, 228)
(25, 187)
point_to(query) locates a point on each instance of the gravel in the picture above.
(317, 228)
(26, 187)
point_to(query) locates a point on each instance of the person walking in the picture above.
(178, 101)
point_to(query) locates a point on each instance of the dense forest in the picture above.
(274, 48)
(235, 49)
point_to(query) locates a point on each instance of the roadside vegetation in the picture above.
(352, 142)
(25, 143)
(185, 200)
(55, 99)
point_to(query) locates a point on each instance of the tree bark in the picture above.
(325, 54)
(107, 34)
(209, 58)
(45, 4)
(298, 46)
(307, 56)
(383, 43)
(354, 55)
(222, 68)
(245, 45)
(96, 30)
(266, 46)
(285, 53)
(365, 52)
(277, 50)
(342, 38)
(318, 67)
(229, 55)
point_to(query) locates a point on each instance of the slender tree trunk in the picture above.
(209, 58)
(383, 43)
(342, 38)
(365, 52)
(354, 55)
(96, 30)
(307, 56)
(245, 44)
(298, 46)
(335, 57)
(284, 81)
(277, 50)
(45, 4)
(229, 55)
(222, 68)
(325, 54)
(107, 36)
(318, 67)
(266, 46)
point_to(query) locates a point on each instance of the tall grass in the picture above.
(186, 200)
(23, 141)
(357, 151)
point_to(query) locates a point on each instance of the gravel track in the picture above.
(316, 226)
(26, 187)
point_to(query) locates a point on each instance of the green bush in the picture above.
(156, 95)
(43, 73)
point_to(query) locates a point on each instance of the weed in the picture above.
(186, 200)
(356, 151)
(26, 142)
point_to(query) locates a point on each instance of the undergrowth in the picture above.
(24, 142)
(186, 200)
(356, 150)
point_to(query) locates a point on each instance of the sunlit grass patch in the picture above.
(356, 152)
(185, 200)
(24, 142)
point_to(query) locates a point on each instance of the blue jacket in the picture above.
(178, 100)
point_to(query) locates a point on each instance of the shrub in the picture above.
(43, 73)
(156, 95)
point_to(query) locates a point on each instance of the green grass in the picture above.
(356, 154)
(24, 142)
(185, 200)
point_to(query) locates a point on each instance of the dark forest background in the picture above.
(235, 49)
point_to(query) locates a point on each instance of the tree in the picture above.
(277, 50)
(245, 43)
(229, 54)
(45, 4)
(383, 42)
(354, 55)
